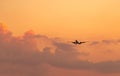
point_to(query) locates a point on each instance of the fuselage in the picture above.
(77, 42)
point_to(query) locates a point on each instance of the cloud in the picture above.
(109, 41)
(19, 56)
(69, 60)
(105, 42)
(23, 56)
(94, 43)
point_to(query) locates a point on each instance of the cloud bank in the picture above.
(23, 56)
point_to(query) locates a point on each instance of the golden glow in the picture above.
(63, 18)
(3, 26)
(86, 20)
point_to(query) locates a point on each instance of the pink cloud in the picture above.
(20, 56)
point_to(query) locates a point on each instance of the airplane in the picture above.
(77, 42)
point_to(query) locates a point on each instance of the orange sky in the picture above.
(69, 19)
(95, 20)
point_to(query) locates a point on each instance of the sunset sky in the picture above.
(47, 50)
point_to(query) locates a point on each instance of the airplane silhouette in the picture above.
(77, 42)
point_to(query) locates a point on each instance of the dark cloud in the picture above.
(107, 41)
(108, 67)
(94, 43)
(118, 41)
(20, 56)
(69, 60)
